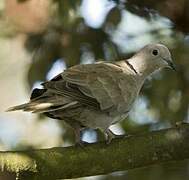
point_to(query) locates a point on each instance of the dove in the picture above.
(97, 95)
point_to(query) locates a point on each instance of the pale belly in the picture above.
(99, 120)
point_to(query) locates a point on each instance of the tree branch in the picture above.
(94, 159)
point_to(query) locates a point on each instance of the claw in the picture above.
(109, 135)
(81, 144)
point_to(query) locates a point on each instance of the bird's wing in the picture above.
(90, 84)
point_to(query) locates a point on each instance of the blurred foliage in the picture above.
(68, 37)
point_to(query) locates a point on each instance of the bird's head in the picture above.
(152, 57)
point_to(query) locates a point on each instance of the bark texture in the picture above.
(94, 159)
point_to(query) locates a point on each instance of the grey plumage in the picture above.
(97, 95)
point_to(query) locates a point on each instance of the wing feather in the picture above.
(95, 82)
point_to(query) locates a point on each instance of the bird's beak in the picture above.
(170, 64)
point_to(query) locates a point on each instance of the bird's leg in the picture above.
(77, 130)
(109, 135)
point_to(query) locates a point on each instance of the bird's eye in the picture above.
(155, 52)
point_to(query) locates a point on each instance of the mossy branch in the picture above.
(122, 154)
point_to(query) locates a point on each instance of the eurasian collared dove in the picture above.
(97, 95)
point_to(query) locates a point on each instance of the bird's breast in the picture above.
(129, 89)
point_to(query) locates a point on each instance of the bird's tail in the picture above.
(41, 104)
(32, 106)
(41, 107)
(16, 108)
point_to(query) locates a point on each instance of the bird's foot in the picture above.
(109, 135)
(81, 143)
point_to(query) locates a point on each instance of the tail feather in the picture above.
(31, 106)
(55, 107)
(17, 108)
(42, 107)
